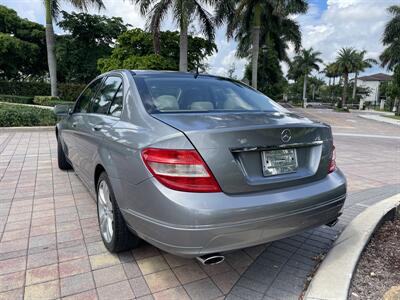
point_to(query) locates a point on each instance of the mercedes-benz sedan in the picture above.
(197, 164)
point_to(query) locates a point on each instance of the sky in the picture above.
(327, 26)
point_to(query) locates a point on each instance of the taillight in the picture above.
(182, 170)
(332, 161)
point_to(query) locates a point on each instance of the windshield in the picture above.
(202, 94)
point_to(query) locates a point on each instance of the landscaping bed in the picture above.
(379, 267)
(14, 115)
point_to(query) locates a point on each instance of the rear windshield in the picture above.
(202, 94)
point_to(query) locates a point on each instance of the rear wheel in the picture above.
(63, 163)
(113, 229)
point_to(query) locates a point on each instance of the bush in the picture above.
(70, 91)
(16, 99)
(12, 115)
(67, 91)
(24, 88)
(48, 101)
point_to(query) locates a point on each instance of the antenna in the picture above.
(197, 72)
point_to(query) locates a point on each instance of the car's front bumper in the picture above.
(193, 224)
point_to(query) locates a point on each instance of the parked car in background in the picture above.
(196, 164)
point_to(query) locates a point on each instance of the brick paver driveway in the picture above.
(50, 245)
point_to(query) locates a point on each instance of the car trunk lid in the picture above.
(232, 145)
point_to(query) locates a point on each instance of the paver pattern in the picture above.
(50, 246)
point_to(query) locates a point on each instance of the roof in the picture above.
(376, 77)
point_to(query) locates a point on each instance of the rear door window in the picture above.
(116, 105)
(102, 102)
(83, 102)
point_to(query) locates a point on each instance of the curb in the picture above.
(33, 128)
(380, 119)
(333, 278)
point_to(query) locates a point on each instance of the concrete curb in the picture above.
(380, 119)
(29, 105)
(333, 278)
(33, 128)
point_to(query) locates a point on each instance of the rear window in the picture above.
(202, 94)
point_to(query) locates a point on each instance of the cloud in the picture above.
(327, 27)
(346, 23)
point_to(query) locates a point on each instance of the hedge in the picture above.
(16, 99)
(13, 115)
(67, 91)
(49, 101)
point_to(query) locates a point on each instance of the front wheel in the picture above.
(113, 229)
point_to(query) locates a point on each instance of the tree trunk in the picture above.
(183, 46)
(256, 45)
(50, 43)
(333, 89)
(345, 84)
(305, 91)
(397, 111)
(355, 86)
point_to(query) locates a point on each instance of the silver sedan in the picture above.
(197, 165)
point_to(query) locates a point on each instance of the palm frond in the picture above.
(206, 20)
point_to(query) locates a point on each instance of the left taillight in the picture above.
(332, 161)
(182, 170)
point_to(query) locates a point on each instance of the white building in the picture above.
(372, 82)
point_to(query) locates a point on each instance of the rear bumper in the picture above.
(193, 224)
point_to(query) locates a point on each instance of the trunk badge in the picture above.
(286, 135)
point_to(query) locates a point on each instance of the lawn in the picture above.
(394, 117)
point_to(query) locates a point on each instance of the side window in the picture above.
(116, 106)
(103, 99)
(83, 102)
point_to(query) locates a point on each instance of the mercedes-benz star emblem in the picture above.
(286, 135)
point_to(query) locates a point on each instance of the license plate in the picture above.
(277, 162)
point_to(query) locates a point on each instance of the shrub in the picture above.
(48, 101)
(16, 99)
(24, 88)
(67, 91)
(70, 91)
(13, 115)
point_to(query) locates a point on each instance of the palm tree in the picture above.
(304, 63)
(247, 17)
(361, 64)
(390, 57)
(184, 12)
(346, 64)
(52, 8)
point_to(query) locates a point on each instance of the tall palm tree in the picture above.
(361, 63)
(52, 8)
(184, 12)
(304, 63)
(346, 64)
(247, 17)
(390, 57)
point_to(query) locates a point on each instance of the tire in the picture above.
(119, 238)
(63, 163)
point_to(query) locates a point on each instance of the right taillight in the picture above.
(182, 170)
(332, 161)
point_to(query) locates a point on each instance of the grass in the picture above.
(393, 117)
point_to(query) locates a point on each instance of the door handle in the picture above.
(97, 127)
(74, 124)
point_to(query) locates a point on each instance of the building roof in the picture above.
(376, 77)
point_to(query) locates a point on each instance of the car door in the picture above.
(77, 129)
(98, 124)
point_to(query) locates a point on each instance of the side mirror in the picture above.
(62, 110)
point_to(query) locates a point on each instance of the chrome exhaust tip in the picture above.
(211, 259)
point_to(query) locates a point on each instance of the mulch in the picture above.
(379, 267)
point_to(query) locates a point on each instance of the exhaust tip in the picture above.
(211, 259)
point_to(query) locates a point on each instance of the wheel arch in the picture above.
(97, 171)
